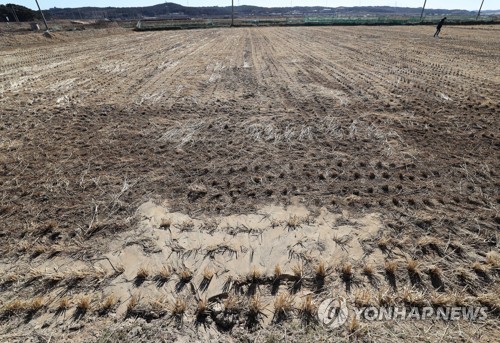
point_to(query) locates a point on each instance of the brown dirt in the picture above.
(16, 35)
(347, 122)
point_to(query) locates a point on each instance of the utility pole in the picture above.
(43, 17)
(480, 8)
(14, 13)
(232, 12)
(423, 9)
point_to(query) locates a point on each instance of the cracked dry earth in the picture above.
(219, 184)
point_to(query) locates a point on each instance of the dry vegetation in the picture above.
(389, 139)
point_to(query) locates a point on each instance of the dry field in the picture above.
(219, 184)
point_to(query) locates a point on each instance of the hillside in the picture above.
(175, 10)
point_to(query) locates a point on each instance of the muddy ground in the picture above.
(126, 154)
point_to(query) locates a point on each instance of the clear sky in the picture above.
(446, 4)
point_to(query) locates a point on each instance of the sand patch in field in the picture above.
(232, 248)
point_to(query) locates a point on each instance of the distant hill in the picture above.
(491, 12)
(172, 10)
(17, 13)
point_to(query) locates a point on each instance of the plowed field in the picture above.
(117, 150)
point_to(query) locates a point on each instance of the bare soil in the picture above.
(229, 152)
